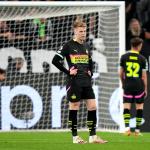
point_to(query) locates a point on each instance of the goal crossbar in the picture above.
(52, 9)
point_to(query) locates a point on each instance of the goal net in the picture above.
(33, 95)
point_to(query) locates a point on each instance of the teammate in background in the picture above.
(2, 74)
(79, 86)
(134, 82)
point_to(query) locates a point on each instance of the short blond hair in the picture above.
(79, 23)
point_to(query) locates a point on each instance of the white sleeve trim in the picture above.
(60, 55)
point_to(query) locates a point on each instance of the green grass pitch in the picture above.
(63, 141)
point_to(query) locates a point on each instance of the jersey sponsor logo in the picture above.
(75, 59)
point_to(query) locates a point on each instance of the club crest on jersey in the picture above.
(73, 96)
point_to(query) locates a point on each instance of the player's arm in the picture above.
(144, 75)
(121, 74)
(57, 61)
(144, 78)
(121, 71)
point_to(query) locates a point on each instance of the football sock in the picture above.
(73, 121)
(139, 116)
(91, 122)
(126, 115)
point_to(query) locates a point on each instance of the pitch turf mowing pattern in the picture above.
(63, 141)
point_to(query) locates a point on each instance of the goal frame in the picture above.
(121, 6)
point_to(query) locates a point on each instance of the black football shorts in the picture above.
(133, 97)
(75, 92)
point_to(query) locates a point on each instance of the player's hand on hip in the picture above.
(73, 71)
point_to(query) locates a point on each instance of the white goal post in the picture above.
(33, 95)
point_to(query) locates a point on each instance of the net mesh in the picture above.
(29, 38)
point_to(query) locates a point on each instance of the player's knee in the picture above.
(127, 105)
(74, 106)
(139, 106)
(91, 107)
